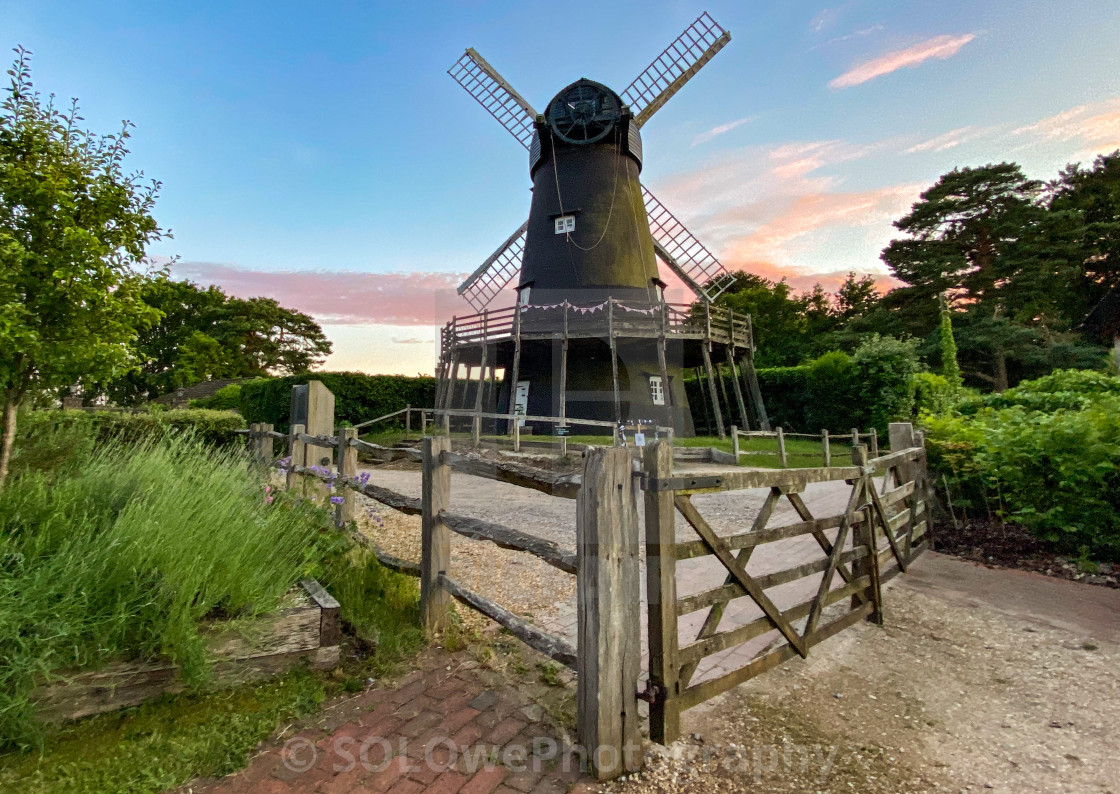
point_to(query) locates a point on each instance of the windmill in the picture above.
(585, 261)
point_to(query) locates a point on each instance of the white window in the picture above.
(656, 390)
(565, 224)
(523, 295)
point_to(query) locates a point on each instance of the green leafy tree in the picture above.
(856, 297)
(207, 335)
(74, 229)
(778, 317)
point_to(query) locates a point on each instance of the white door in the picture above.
(521, 401)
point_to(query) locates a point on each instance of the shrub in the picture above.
(227, 398)
(934, 394)
(1068, 389)
(1055, 472)
(884, 370)
(357, 397)
(122, 554)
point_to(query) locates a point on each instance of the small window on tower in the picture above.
(565, 224)
(656, 390)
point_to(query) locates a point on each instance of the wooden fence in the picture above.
(883, 527)
(780, 435)
(878, 534)
(605, 562)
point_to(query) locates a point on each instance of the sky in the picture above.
(319, 154)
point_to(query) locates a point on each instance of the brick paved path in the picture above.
(447, 727)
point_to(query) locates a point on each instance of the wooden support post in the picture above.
(254, 443)
(408, 420)
(447, 424)
(564, 384)
(864, 535)
(735, 383)
(826, 448)
(663, 368)
(423, 422)
(855, 437)
(874, 443)
(614, 360)
(453, 371)
(703, 400)
(735, 442)
(783, 460)
(755, 391)
(296, 455)
(661, 593)
(609, 612)
(723, 389)
(481, 373)
(435, 555)
(476, 426)
(347, 470)
(712, 389)
(514, 421)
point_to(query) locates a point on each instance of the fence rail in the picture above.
(780, 435)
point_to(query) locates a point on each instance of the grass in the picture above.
(800, 452)
(115, 551)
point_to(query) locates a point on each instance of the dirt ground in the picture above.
(980, 680)
(952, 694)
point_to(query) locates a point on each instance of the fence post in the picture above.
(516, 433)
(408, 420)
(476, 426)
(254, 442)
(826, 448)
(783, 460)
(661, 595)
(447, 425)
(609, 610)
(435, 556)
(902, 437)
(735, 443)
(874, 443)
(855, 437)
(347, 470)
(423, 423)
(267, 448)
(296, 453)
(864, 535)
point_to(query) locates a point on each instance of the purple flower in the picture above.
(363, 478)
(337, 500)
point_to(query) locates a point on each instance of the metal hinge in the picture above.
(660, 484)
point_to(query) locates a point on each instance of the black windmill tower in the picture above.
(591, 336)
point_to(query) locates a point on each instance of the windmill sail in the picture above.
(499, 269)
(674, 67)
(683, 253)
(482, 81)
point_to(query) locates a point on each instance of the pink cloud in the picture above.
(1096, 124)
(342, 298)
(939, 47)
(715, 132)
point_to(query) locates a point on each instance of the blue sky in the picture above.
(321, 154)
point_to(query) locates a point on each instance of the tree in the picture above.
(777, 317)
(207, 335)
(856, 297)
(74, 230)
(950, 369)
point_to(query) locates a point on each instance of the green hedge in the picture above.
(227, 398)
(357, 397)
(837, 392)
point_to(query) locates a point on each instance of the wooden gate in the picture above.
(882, 528)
